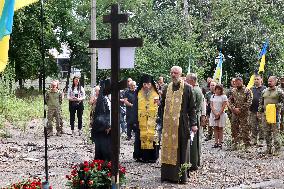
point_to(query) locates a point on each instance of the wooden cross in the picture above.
(115, 43)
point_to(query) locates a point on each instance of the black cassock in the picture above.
(139, 154)
(101, 122)
(145, 155)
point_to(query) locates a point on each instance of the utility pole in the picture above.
(93, 37)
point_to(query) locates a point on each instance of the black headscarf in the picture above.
(146, 78)
(102, 111)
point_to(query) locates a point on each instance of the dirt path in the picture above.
(22, 156)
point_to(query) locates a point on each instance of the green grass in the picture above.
(20, 111)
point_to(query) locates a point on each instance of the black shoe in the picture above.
(208, 138)
(193, 168)
(215, 145)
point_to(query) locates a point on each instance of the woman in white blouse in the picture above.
(76, 96)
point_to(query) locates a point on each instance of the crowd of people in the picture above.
(174, 117)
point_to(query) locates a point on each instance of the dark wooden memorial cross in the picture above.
(115, 43)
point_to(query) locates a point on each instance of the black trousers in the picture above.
(73, 109)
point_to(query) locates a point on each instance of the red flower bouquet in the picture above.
(34, 183)
(94, 174)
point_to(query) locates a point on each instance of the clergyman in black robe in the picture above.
(146, 145)
(179, 118)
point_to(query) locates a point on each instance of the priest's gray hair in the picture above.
(178, 68)
(191, 76)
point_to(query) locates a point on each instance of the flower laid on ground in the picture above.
(34, 183)
(93, 175)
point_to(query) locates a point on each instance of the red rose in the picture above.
(86, 169)
(50, 187)
(109, 174)
(92, 165)
(86, 163)
(109, 165)
(99, 167)
(82, 182)
(122, 169)
(91, 182)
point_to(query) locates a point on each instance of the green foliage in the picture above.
(183, 169)
(237, 28)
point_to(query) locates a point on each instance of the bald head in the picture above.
(191, 79)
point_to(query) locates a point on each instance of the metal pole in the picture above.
(45, 184)
(93, 37)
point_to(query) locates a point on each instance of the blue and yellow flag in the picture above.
(218, 71)
(261, 56)
(6, 19)
(7, 8)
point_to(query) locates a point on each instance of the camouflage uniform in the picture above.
(270, 96)
(195, 147)
(240, 98)
(229, 96)
(208, 111)
(54, 101)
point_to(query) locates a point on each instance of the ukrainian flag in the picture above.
(7, 8)
(261, 56)
(218, 71)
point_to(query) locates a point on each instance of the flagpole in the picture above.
(45, 184)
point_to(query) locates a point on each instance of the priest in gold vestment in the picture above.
(146, 146)
(179, 118)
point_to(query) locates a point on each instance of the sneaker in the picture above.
(73, 133)
(80, 132)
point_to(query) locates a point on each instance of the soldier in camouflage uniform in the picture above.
(208, 109)
(195, 148)
(54, 101)
(229, 95)
(239, 103)
(272, 95)
(282, 108)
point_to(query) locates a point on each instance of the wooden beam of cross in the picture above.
(115, 43)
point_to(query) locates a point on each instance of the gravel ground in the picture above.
(22, 156)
